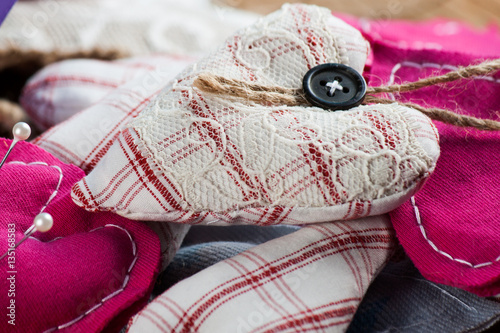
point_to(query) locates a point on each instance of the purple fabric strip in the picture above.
(5, 6)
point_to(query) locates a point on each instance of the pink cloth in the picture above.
(436, 34)
(451, 228)
(89, 273)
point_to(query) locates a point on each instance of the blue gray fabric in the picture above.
(237, 233)
(189, 260)
(401, 300)
(205, 246)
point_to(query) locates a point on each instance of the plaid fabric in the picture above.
(84, 138)
(63, 89)
(195, 158)
(308, 281)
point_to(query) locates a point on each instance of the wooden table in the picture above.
(476, 12)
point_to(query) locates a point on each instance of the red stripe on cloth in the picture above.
(268, 273)
(137, 160)
(300, 320)
(106, 142)
(284, 288)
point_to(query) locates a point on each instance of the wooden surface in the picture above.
(477, 12)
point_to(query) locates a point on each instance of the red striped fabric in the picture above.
(192, 157)
(309, 281)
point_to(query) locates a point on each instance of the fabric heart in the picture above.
(84, 138)
(90, 272)
(191, 157)
(309, 281)
(450, 229)
(62, 89)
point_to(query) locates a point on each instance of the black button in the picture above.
(334, 87)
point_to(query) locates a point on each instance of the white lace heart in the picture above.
(197, 158)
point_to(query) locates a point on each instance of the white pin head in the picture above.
(43, 222)
(21, 131)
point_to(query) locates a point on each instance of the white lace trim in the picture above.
(226, 155)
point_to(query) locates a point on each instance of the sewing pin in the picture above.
(21, 132)
(43, 222)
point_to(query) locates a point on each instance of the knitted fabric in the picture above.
(131, 27)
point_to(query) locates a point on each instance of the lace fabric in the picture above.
(221, 159)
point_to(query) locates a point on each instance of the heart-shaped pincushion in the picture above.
(88, 273)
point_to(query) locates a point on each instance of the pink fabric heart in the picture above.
(450, 229)
(90, 272)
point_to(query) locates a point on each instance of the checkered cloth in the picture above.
(308, 281)
(65, 88)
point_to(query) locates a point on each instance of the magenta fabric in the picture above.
(89, 273)
(436, 34)
(451, 228)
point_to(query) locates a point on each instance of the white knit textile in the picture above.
(131, 26)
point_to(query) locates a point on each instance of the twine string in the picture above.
(274, 95)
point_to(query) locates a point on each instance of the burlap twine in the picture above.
(274, 95)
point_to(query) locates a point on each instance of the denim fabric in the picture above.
(189, 260)
(238, 233)
(205, 246)
(401, 300)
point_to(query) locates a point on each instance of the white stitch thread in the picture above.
(116, 292)
(53, 195)
(392, 76)
(435, 248)
(398, 66)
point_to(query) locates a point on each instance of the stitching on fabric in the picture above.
(134, 248)
(449, 67)
(435, 248)
(124, 284)
(392, 76)
(53, 195)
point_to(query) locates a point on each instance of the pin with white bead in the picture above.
(43, 222)
(21, 132)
